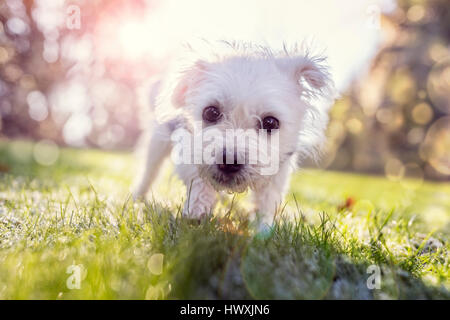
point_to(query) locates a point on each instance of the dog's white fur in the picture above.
(248, 83)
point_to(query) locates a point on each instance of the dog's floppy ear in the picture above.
(310, 73)
(188, 80)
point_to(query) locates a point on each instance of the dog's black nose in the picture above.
(229, 167)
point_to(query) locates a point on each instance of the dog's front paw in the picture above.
(196, 211)
(138, 193)
(264, 231)
(200, 201)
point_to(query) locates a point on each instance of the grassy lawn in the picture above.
(334, 226)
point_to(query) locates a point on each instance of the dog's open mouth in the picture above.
(231, 182)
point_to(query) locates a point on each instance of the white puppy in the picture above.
(243, 120)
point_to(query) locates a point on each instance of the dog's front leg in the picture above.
(200, 200)
(201, 197)
(267, 202)
(268, 198)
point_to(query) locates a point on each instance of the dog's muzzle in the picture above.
(229, 168)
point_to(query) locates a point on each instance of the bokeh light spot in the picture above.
(402, 86)
(17, 26)
(438, 85)
(154, 293)
(12, 72)
(422, 113)
(37, 104)
(354, 125)
(46, 152)
(77, 128)
(394, 169)
(384, 115)
(416, 13)
(4, 55)
(415, 135)
(155, 263)
(436, 147)
(438, 51)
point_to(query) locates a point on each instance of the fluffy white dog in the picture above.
(262, 99)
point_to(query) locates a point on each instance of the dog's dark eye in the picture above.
(211, 114)
(270, 123)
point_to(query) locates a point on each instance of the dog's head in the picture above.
(251, 110)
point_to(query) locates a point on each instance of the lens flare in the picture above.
(436, 147)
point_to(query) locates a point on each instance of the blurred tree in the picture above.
(396, 119)
(53, 85)
(77, 86)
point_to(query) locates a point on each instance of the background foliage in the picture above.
(395, 118)
(65, 86)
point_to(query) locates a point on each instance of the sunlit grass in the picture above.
(335, 225)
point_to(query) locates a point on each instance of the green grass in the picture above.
(77, 212)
